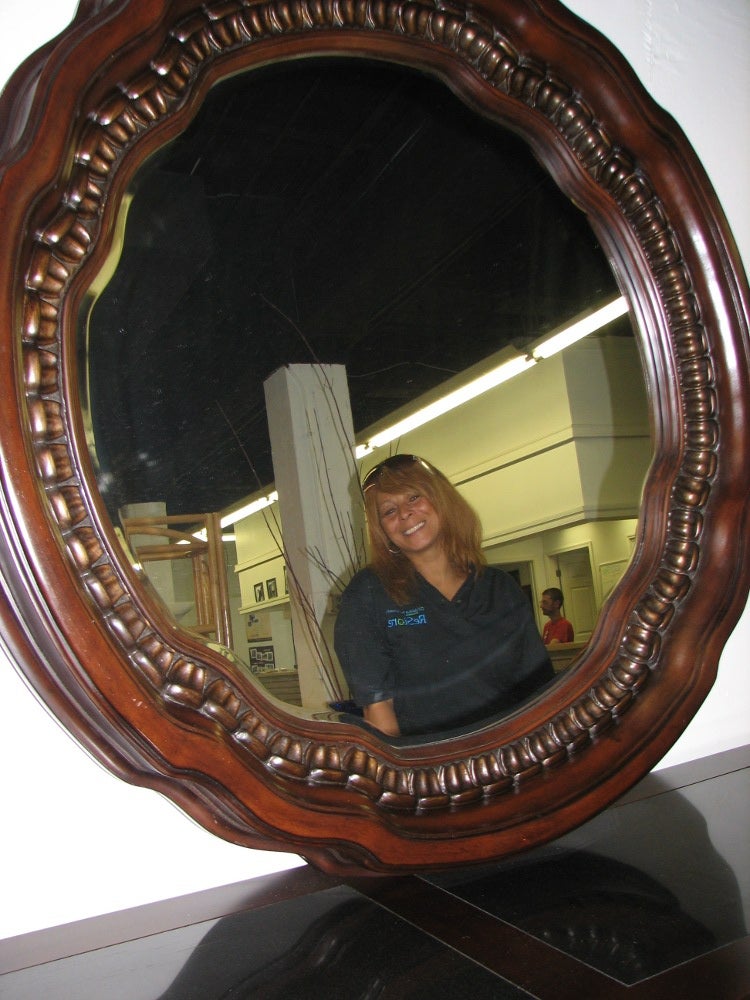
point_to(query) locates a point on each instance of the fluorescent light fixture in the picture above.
(504, 372)
(581, 328)
(202, 536)
(248, 509)
(543, 348)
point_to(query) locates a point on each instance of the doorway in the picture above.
(576, 580)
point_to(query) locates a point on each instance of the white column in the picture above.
(312, 441)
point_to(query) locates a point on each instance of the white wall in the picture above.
(76, 841)
(692, 57)
(135, 845)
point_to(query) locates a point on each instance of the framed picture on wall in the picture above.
(259, 627)
(259, 593)
(271, 589)
(262, 659)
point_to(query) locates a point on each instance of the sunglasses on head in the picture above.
(394, 462)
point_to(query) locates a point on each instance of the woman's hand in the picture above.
(381, 715)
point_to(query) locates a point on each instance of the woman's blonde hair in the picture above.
(460, 527)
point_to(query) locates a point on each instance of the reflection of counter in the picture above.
(282, 684)
(562, 654)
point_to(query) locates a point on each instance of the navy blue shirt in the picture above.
(446, 663)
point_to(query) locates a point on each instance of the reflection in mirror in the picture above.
(356, 226)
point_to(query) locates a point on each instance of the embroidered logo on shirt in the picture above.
(412, 616)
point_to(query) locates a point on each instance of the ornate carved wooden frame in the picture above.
(161, 710)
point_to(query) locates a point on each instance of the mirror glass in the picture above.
(354, 214)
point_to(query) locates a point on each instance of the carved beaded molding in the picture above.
(63, 245)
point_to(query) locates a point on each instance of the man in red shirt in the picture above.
(557, 629)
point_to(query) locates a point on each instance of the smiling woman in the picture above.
(158, 706)
(460, 645)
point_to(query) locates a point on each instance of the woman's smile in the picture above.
(409, 520)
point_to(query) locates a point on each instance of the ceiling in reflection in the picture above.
(342, 212)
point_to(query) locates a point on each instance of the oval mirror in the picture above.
(340, 241)
(152, 700)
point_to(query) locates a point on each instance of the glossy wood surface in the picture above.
(160, 709)
(582, 917)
